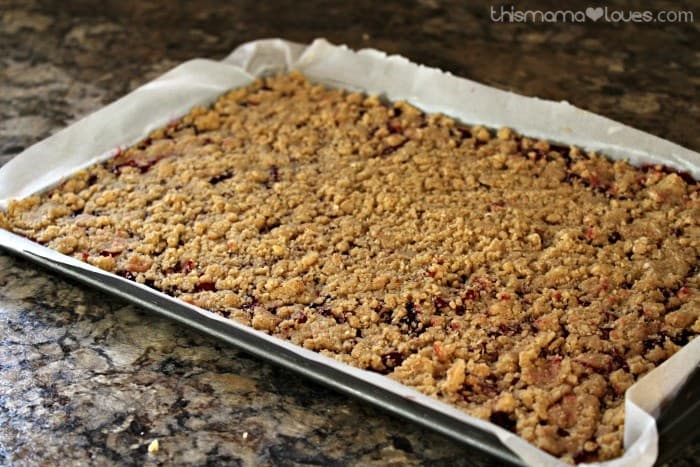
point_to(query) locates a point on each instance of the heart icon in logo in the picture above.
(594, 13)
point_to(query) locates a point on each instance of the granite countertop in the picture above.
(86, 378)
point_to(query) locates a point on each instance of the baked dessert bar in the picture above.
(526, 283)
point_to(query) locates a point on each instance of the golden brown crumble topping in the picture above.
(526, 283)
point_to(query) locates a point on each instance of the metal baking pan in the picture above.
(198, 82)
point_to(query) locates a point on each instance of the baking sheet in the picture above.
(198, 82)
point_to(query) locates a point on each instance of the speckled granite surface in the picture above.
(85, 378)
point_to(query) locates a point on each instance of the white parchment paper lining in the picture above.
(197, 82)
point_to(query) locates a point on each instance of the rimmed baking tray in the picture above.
(673, 386)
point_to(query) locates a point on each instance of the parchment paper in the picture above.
(198, 82)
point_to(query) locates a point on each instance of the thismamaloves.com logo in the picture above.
(509, 14)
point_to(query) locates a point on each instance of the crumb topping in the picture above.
(526, 283)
